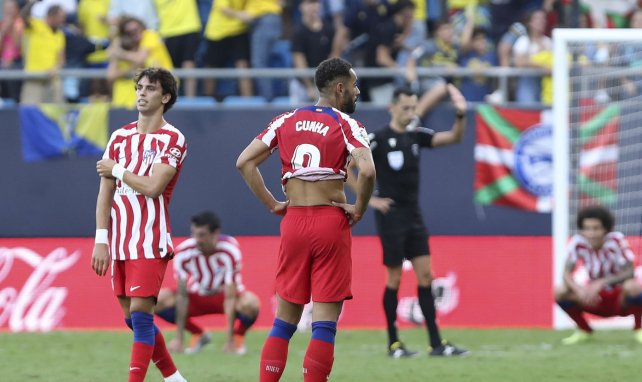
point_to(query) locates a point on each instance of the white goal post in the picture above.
(565, 107)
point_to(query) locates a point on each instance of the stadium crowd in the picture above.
(122, 36)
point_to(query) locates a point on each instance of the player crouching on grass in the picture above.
(208, 270)
(612, 289)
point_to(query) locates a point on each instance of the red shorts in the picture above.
(314, 258)
(203, 305)
(137, 278)
(610, 305)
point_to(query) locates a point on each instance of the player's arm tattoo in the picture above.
(627, 272)
(358, 155)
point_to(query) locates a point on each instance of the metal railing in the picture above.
(501, 74)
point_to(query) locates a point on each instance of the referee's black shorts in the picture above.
(403, 234)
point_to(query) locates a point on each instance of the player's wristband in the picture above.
(460, 115)
(118, 171)
(102, 236)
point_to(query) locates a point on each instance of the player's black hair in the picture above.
(596, 212)
(329, 70)
(398, 92)
(207, 218)
(166, 80)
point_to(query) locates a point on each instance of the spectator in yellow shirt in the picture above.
(43, 52)
(135, 47)
(180, 27)
(228, 40)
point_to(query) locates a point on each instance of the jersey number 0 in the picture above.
(306, 155)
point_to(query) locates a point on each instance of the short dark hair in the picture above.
(479, 31)
(329, 70)
(207, 218)
(596, 212)
(54, 10)
(166, 80)
(401, 91)
(401, 5)
(122, 24)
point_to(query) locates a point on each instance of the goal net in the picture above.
(597, 134)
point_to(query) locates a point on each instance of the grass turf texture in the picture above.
(497, 355)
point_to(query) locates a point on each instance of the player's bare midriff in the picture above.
(304, 193)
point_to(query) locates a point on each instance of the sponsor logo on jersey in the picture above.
(534, 159)
(175, 151)
(312, 126)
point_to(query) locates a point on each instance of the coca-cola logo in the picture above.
(36, 305)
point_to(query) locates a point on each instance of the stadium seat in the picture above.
(281, 55)
(282, 101)
(195, 101)
(234, 100)
(7, 102)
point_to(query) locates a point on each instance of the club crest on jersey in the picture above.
(148, 156)
(395, 160)
(313, 126)
(392, 142)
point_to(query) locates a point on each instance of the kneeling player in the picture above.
(612, 289)
(207, 268)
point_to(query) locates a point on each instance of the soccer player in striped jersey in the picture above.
(138, 174)
(208, 269)
(612, 289)
(315, 145)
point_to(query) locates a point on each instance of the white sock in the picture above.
(176, 377)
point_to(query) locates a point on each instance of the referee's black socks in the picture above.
(390, 301)
(427, 305)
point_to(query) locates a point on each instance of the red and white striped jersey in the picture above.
(207, 274)
(604, 262)
(314, 142)
(140, 226)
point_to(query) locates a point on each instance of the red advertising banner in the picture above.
(47, 283)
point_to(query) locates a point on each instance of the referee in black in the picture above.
(396, 151)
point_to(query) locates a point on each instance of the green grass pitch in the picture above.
(497, 356)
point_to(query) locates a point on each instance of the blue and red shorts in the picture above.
(314, 258)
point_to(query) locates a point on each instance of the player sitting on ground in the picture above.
(207, 268)
(612, 289)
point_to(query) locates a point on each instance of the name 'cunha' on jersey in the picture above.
(313, 126)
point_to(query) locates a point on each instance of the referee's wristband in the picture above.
(102, 236)
(118, 171)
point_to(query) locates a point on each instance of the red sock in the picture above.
(161, 357)
(636, 311)
(318, 360)
(239, 327)
(141, 354)
(576, 315)
(273, 358)
(191, 327)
